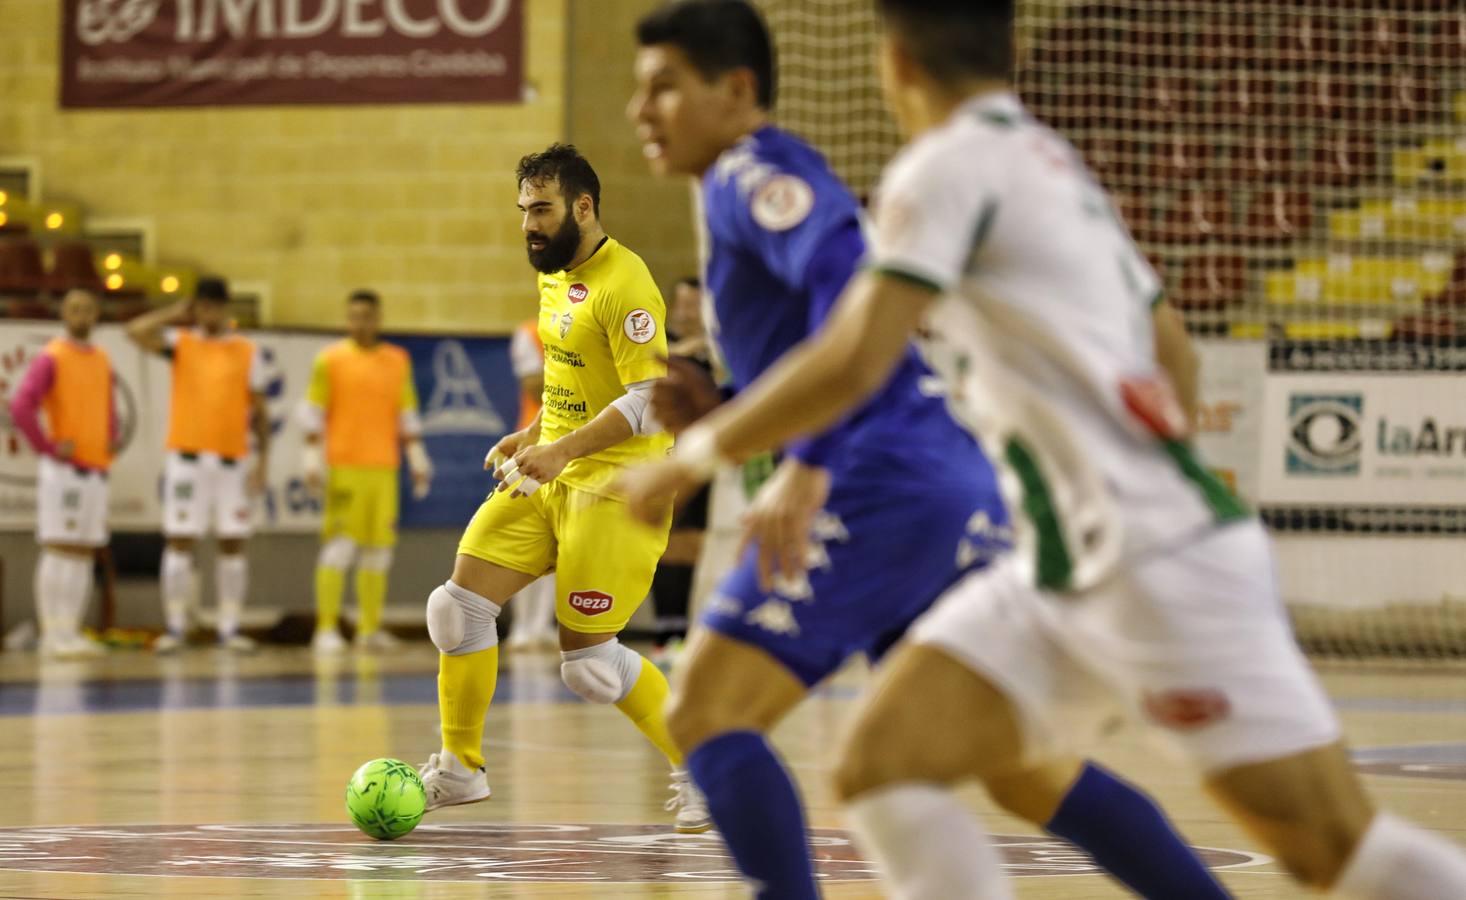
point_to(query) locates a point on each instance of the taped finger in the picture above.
(526, 487)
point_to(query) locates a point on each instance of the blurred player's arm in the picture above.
(1177, 356)
(409, 424)
(312, 417)
(25, 406)
(259, 418)
(147, 330)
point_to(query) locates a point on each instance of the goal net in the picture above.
(1296, 170)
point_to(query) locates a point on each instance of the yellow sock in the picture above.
(465, 689)
(646, 707)
(330, 584)
(371, 596)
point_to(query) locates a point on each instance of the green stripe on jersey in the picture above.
(920, 281)
(1224, 504)
(1055, 567)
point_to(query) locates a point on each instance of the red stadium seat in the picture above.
(1196, 215)
(1183, 157)
(1135, 210)
(1455, 290)
(1382, 40)
(1276, 215)
(1263, 157)
(22, 272)
(1245, 98)
(1342, 160)
(1448, 38)
(1167, 100)
(72, 266)
(1327, 97)
(1210, 280)
(1403, 96)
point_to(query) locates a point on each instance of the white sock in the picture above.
(74, 584)
(48, 592)
(179, 585)
(231, 580)
(1399, 861)
(926, 844)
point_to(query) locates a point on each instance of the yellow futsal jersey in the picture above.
(602, 327)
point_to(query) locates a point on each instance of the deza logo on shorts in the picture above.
(1325, 434)
(590, 603)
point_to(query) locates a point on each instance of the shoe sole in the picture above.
(486, 796)
(695, 829)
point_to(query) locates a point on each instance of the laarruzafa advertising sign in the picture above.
(121, 53)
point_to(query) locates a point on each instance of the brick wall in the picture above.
(415, 201)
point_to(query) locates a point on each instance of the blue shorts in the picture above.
(889, 547)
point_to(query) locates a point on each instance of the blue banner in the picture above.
(470, 399)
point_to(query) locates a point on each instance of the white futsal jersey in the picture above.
(1043, 333)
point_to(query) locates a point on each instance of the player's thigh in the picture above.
(512, 533)
(381, 524)
(339, 509)
(361, 504)
(727, 685)
(233, 507)
(95, 499)
(184, 499)
(928, 717)
(59, 503)
(605, 560)
(1309, 808)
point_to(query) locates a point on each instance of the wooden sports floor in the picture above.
(215, 776)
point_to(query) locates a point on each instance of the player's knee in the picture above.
(605, 673)
(374, 559)
(231, 546)
(337, 553)
(460, 621)
(687, 724)
(876, 755)
(1316, 858)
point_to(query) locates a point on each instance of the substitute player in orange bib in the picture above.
(362, 402)
(208, 475)
(65, 383)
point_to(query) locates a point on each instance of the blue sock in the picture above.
(757, 811)
(1128, 834)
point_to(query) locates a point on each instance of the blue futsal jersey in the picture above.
(913, 504)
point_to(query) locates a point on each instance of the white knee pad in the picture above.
(375, 559)
(337, 553)
(460, 621)
(605, 673)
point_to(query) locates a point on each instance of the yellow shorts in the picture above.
(361, 504)
(602, 559)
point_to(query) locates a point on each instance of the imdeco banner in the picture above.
(121, 53)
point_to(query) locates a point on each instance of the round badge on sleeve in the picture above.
(639, 326)
(782, 202)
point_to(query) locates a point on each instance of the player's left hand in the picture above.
(780, 518)
(542, 462)
(650, 488)
(255, 481)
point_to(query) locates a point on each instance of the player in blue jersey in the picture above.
(861, 528)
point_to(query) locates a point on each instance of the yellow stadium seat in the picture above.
(1347, 280)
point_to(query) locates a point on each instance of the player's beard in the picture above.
(559, 249)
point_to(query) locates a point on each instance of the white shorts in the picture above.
(1193, 640)
(71, 505)
(204, 489)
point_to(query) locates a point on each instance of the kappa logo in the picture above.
(100, 21)
(640, 327)
(1325, 434)
(578, 293)
(591, 603)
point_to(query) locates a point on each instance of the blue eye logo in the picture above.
(1325, 434)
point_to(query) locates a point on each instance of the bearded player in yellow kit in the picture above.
(602, 324)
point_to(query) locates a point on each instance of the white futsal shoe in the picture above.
(379, 641)
(328, 642)
(449, 782)
(237, 643)
(168, 642)
(690, 805)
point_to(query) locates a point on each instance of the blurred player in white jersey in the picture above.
(1139, 584)
(533, 625)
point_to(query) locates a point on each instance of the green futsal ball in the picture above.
(385, 798)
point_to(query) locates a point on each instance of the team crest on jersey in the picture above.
(782, 202)
(591, 603)
(578, 293)
(565, 322)
(640, 327)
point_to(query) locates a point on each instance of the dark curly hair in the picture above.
(562, 163)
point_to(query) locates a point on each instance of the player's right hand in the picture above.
(684, 396)
(780, 519)
(504, 451)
